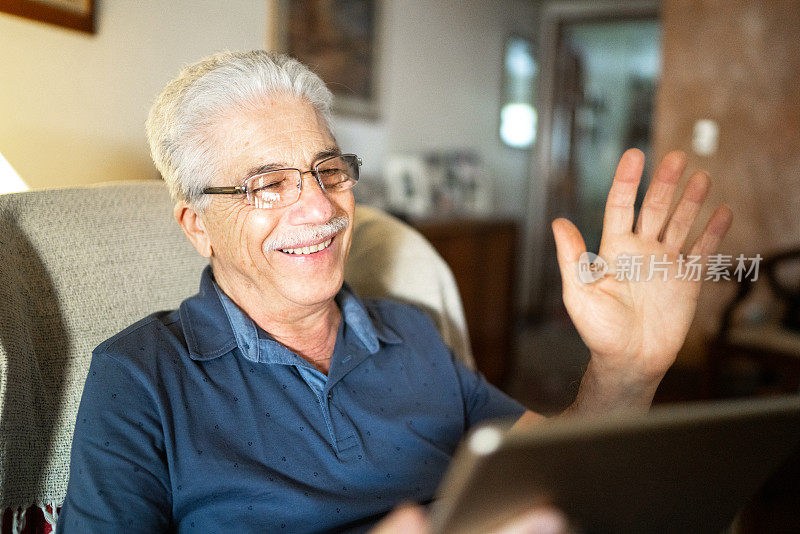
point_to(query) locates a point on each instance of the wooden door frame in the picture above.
(553, 16)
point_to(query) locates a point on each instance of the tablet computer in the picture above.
(680, 468)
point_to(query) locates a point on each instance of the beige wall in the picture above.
(73, 105)
(445, 73)
(737, 62)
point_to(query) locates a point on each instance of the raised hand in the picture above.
(634, 329)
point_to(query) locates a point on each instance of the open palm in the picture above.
(634, 326)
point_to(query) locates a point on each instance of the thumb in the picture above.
(569, 247)
(405, 519)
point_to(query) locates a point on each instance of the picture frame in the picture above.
(338, 40)
(73, 14)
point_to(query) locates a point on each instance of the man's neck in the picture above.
(311, 337)
(307, 330)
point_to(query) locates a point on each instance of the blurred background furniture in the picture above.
(80, 264)
(482, 254)
(757, 348)
(390, 259)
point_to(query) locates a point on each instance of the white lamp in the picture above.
(10, 181)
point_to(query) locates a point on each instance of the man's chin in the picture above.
(313, 296)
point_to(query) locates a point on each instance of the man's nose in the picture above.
(313, 206)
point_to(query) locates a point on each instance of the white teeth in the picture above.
(307, 250)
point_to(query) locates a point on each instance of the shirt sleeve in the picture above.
(118, 479)
(482, 400)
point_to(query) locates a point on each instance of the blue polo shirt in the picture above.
(196, 420)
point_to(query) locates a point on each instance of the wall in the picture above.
(736, 62)
(441, 87)
(73, 105)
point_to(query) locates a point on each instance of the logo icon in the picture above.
(591, 268)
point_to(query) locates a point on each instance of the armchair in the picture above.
(80, 264)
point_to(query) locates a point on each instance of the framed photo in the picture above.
(338, 40)
(75, 14)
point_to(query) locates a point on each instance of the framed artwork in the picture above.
(75, 14)
(338, 40)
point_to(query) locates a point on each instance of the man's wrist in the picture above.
(604, 389)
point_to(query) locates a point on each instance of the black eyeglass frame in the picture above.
(242, 190)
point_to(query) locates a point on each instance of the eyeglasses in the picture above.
(281, 187)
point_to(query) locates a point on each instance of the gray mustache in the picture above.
(316, 233)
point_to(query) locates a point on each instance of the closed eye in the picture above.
(267, 182)
(273, 185)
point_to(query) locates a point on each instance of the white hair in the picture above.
(187, 109)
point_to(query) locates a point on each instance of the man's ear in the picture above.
(194, 228)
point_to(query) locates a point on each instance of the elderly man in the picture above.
(277, 400)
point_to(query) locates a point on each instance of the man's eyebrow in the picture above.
(326, 153)
(267, 167)
(261, 169)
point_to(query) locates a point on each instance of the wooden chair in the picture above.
(765, 352)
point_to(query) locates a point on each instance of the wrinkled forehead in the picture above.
(284, 131)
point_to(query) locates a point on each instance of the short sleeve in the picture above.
(482, 400)
(118, 476)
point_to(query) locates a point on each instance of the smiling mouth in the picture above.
(308, 250)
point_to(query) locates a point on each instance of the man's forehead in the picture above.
(287, 132)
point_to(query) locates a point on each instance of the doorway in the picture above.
(606, 76)
(601, 66)
(601, 62)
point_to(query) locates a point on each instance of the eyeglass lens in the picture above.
(280, 188)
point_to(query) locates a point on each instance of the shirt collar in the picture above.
(368, 327)
(214, 325)
(206, 336)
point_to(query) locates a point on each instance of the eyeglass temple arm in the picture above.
(233, 190)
